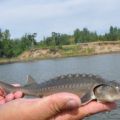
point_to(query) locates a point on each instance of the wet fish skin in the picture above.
(79, 84)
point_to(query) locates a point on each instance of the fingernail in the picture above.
(72, 104)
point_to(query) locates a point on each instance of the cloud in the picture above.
(35, 11)
(24, 11)
(45, 16)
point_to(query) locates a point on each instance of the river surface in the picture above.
(107, 66)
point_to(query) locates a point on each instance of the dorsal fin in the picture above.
(30, 80)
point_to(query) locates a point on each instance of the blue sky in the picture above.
(64, 16)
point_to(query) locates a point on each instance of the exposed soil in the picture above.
(68, 50)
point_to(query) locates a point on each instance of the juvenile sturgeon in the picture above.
(88, 87)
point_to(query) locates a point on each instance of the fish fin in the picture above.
(87, 98)
(30, 80)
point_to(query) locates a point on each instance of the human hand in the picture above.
(61, 106)
(8, 97)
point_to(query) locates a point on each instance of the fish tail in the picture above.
(8, 88)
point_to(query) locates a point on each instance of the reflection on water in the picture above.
(105, 65)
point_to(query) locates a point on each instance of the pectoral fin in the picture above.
(87, 98)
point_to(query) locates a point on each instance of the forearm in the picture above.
(8, 112)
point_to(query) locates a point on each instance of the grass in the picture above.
(73, 50)
(8, 60)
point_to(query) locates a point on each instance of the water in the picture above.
(108, 66)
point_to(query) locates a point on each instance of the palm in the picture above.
(46, 108)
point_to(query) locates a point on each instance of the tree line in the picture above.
(81, 36)
(13, 47)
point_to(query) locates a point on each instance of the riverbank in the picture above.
(79, 49)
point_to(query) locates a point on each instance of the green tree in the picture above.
(77, 35)
(28, 41)
(1, 49)
(6, 35)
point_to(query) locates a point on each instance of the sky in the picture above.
(64, 16)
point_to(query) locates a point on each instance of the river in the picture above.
(107, 66)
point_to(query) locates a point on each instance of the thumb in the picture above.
(51, 105)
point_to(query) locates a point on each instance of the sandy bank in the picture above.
(68, 50)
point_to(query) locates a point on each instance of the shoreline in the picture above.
(83, 49)
(37, 59)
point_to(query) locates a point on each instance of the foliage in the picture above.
(85, 36)
(13, 47)
(56, 39)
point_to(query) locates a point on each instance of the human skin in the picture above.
(60, 106)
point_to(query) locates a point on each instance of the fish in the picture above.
(87, 86)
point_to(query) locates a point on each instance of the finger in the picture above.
(9, 97)
(15, 95)
(18, 94)
(96, 107)
(1, 97)
(2, 92)
(86, 110)
(2, 101)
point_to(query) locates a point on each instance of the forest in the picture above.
(10, 47)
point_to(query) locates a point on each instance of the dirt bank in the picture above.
(73, 50)
(103, 47)
(39, 54)
(68, 50)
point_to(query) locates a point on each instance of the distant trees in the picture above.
(28, 41)
(5, 44)
(13, 47)
(112, 35)
(82, 36)
(56, 39)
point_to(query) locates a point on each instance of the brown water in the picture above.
(108, 66)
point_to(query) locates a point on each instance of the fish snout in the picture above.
(107, 93)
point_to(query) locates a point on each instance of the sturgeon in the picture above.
(87, 86)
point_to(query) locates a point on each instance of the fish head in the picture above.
(107, 92)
